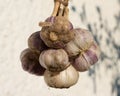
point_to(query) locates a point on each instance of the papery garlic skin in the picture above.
(30, 62)
(35, 43)
(54, 60)
(58, 34)
(81, 64)
(87, 58)
(82, 41)
(93, 54)
(63, 79)
(61, 24)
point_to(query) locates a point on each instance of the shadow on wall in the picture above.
(110, 42)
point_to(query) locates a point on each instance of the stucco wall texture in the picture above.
(20, 18)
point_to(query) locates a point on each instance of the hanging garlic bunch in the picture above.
(58, 52)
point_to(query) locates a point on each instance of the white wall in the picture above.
(20, 18)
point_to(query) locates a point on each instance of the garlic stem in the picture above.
(66, 12)
(61, 9)
(56, 7)
(65, 9)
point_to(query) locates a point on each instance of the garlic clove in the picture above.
(93, 54)
(63, 79)
(54, 60)
(81, 64)
(83, 38)
(46, 58)
(72, 49)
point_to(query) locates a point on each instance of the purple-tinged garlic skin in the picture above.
(63, 79)
(30, 62)
(82, 41)
(50, 19)
(87, 58)
(81, 63)
(58, 34)
(54, 59)
(35, 42)
(93, 53)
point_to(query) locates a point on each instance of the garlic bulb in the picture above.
(83, 40)
(54, 60)
(63, 79)
(87, 58)
(35, 43)
(30, 62)
(58, 34)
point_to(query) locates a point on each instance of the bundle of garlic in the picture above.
(58, 52)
